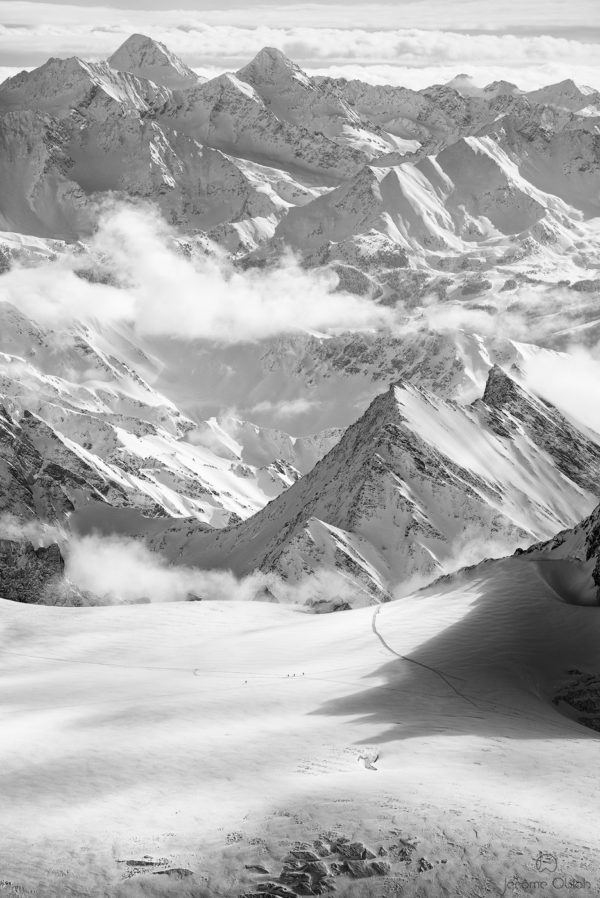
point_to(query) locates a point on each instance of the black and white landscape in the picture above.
(299, 472)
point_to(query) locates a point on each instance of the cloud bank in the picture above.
(162, 292)
(123, 570)
(416, 44)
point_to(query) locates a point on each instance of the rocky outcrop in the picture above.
(312, 868)
(579, 697)
(36, 575)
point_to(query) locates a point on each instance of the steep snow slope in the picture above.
(412, 486)
(147, 58)
(447, 691)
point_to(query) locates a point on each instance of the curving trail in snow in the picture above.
(433, 670)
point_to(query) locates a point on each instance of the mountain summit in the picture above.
(271, 65)
(147, 58)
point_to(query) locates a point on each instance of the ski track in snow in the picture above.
(433, 670)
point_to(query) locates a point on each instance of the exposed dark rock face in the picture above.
(174, 873)
(587, 286)
(26, 573)
(355, 851)
(580, 696)
(35, 575)
(500, 389)
(509, 407)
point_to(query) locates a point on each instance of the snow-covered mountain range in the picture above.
(468, 214)
(237, 154)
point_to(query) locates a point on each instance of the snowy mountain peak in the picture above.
(143, 56)
(464, 84)
(230, 86)
(468, 87)
(270, 65)
(500, 88)
(568, 86)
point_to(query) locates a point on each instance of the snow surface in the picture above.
(213, 735)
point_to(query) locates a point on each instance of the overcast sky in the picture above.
(407, 41)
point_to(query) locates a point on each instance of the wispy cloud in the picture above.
(286, 408)
(116, 569)
(569, 380)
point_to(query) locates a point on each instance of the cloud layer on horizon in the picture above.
(419, 47)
